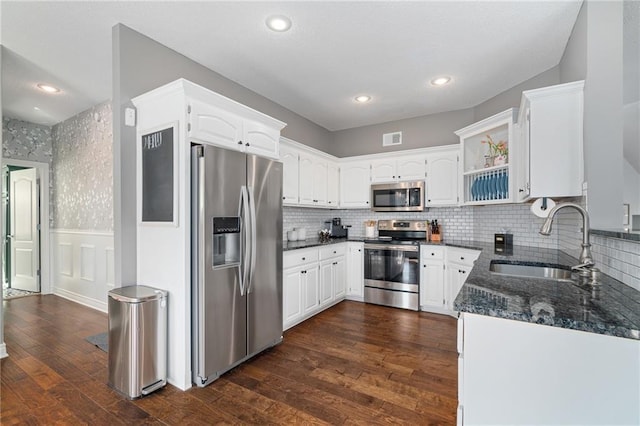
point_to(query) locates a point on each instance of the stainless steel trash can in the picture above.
(137, 340)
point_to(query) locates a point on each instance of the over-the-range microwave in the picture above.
(398, 197)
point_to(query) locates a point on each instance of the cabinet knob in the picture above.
(359, 250)
(367, 202)
(239, 142)
(433, 254)
(520, 190)
(283, 198)
(247, 144)
(429, 201)
(399, 177)
(334, 252)
(461, 258)
(393, 177)
(304, 258)
(424, 266)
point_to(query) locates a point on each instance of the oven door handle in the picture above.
(391, 247)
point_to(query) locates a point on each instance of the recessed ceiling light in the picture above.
(279, 23)
(440, 81)
(48, 88)
(36, 108)
(363, 98)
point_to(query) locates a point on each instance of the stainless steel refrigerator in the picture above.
(236, 259)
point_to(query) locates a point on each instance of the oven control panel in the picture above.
(402, 225)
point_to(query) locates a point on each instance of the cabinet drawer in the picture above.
(334, 250)
(462, 256)
(430, 252)
(299, 257)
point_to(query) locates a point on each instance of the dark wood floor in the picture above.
(352, 364)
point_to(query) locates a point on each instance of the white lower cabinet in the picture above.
(519, 373)
(355, 271)
(443, 271)
(432, 284)
(313, 279)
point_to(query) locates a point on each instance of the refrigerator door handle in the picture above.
(246, 227)
(254, 239)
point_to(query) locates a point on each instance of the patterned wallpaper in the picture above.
(82, 195)
(22, 140)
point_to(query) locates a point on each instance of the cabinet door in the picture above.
(411, 168)
(355, 185)
(432, 284)
(310, 284)
(320, 182)
(289, 158)
(456, 276)
(214, 125)
(261, 140)
(339, 278)
(306, 179)
(355, 270)
(442, 179)
(383, 171)
(326, 282)
(333, 185)
(291, 296)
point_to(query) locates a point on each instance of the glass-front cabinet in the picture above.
(487, 148)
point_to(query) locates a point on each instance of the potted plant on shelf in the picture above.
(498, 152)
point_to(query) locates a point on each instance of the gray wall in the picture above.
(594, 52)
(418, 132)
(82, 184)
(139, 65)
(434, 129)
(511, 98)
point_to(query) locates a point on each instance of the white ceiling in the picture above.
(335, 50)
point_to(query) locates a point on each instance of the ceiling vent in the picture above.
(390, 139)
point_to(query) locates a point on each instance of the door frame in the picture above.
(43, 176)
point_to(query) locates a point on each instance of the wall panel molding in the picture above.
(82, 266)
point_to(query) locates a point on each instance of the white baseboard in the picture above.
(83, 300)
(3, 350)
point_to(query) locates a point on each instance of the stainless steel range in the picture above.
(391, 264)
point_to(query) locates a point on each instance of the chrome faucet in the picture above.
(586, 260)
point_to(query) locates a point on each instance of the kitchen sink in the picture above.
(531, 270)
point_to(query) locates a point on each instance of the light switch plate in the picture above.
(129, 117)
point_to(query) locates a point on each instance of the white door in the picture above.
(23, 232)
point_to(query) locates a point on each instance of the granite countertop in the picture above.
(315, 242)
(611, 308)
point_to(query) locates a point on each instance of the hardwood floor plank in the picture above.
(353, 364)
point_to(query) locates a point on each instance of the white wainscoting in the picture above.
(82, 266)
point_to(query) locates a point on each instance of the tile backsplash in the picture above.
(458, 223)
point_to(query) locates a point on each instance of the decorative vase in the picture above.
(500, 160)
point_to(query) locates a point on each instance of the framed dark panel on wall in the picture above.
(157, 151)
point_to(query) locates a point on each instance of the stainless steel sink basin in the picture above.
(531, 270)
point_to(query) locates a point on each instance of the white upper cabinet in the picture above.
(310, 178)
(260, 139)
(551, 162)
(216, 120)
(486, 150)
(208, 123)
(396, 169)
(442, 178)
(355, 184)
(289, 158)
(333, 185)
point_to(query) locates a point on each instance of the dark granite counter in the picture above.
(612, 308)
(617, 233)
(295, 245)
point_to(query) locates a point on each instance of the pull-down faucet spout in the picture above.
(586, 260)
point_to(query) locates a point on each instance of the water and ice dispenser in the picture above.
(226, 241)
